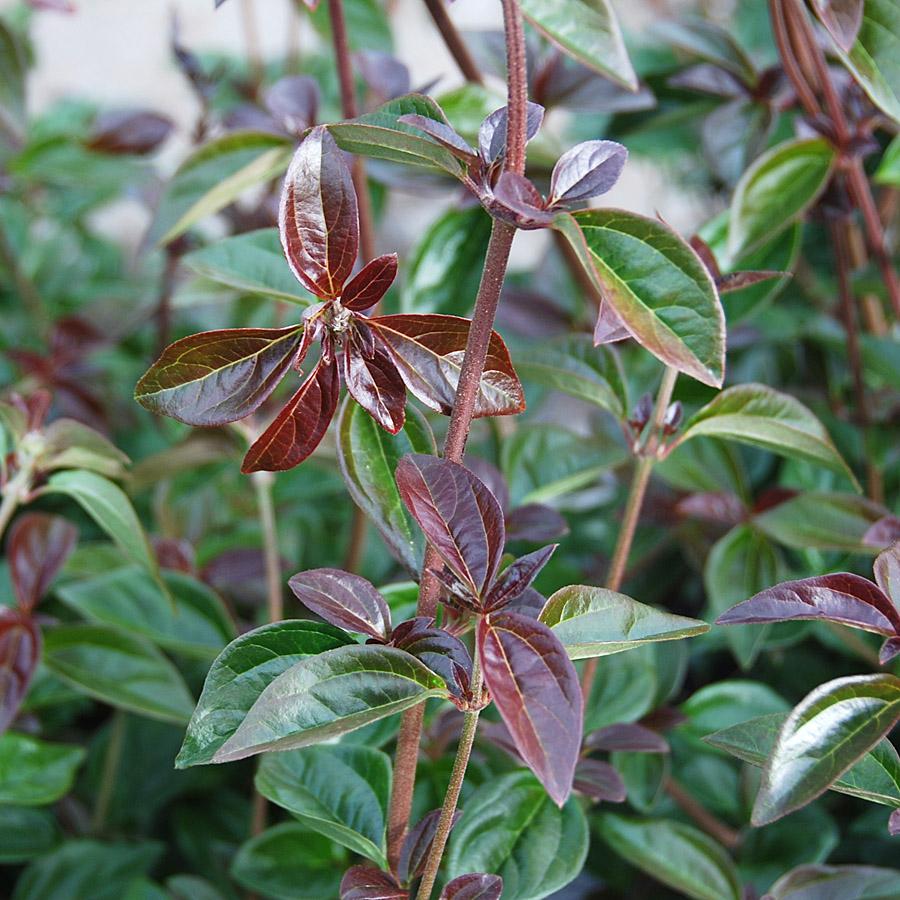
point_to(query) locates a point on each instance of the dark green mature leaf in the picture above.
(592, 621)
(776, 190)
(874, 777)
(512, 828)
(759, 416)
(874, 59)
(674, 853)
(828, 731)
(536, 691)
(253, 262)
(368, 456)
(214, 176)
(197, 625)
(428, 351)
(740, 564)
(341, 791)
(574, 365)
(380, 134)
(842, 20)
(35, 772)
(218, 376)
(118, 668)
(290, 862)
(836, 883)
(328, 695)
(656, 284)
(239, 675)
(588, 31)
(26, 833)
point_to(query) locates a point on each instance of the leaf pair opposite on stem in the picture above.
(222, 376)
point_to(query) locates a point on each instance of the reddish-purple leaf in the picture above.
(536, 691)
(417, 845)
(438, 649)
(894, 823)
(737, 280)
(887, 571)
(883, 532)
(460, 517)
(587, 170)
(515, 578)
(129, 131)
(370, 284)
(20, 652)
(841, 18)
(519, 202)
(473, 887)
(535, 522)
(318, 217)
(492, 133)
(218, 376)
(174, 553)
(300, 426)
(492, 477)
(39, 545)
(345, 600)
(385, 74)
(609, 327)
(444, 135)
(528, 603)
(842, 597)
(429, 349)
(366, 883)
(627, 736)
(714, 506)
(294, 101)
(889, 649)
(599, 781)
(376, 385)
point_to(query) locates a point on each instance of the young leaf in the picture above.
(428, 351)
(459, 515)
(417, 845)
(443, 653)
(473, 887)
(759, 416)
(842, 20)
(375, 384)
(628, 736)
(239, 675)
(828, 731)
(20, 653)
(128, 131)
(445, 135)
(655, 284)
(371, 284)
(318, 217)
(516, 578)
(599, 781)
(366, 883)
(328, 695)
(38, 547)
(817, 882)
(588, 31)
(887, 574)
(536, 691)
(297, 430)
(35, 772)
(492, 133)
(708, 42)
(218, 376)
(345, 600)
(776, 190)
(587, 170)
(592, 621)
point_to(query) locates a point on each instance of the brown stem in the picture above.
(458, 50)
(789, 60)
(723, 833)
(359, 529)
(517, 86)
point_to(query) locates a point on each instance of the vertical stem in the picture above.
(114, 747)
(264, 482)
(633, 504)
(359, 528)
(251, 38)
(786, 52)
(517, 86)
(458, 50)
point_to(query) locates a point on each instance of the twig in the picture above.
(458, 50)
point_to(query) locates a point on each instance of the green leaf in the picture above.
(575, 366)
(592, 621)
(13, 69)
(888, 171)
(709, 42)
(330, 694)
(126, 598)
(729, 702)
(214, 176)
(874, 59)
(145, 889)
(776, 190)
(26, 833)
(88, 870)
(836, 883)
(740, 564)
(656, 284)
(379, 134)
(118, 668)
(674, 853)
(874, 777)
(71, 445)
(35, 772)
(368, 456)
(253, 263)
(588, 31)
(821, 521)
(624, 689)
(290, 862)
(510, 827)
(828, 731)
(759, 416)
(342, 792)
(445, 268)
(239, 675)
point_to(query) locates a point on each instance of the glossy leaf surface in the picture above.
(35, 772)
(656, 285)
(240, 674)
(536, 691)
(836, 883)
(417, 845)
(842, 20)
(512, 828)
(20, 653)
(591, 621)
(376, 385)
(599, 781)
(586, 170)
(38, 547)
(345, 600)
(366, 883)
(517, 577)
(330, 694)
(473, 887)
(370, 285)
